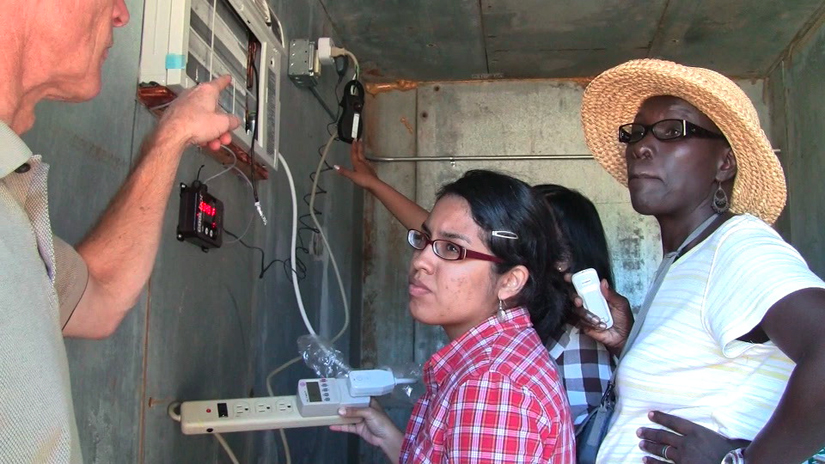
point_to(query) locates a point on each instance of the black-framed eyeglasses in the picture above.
(446, 249)
(666, 129)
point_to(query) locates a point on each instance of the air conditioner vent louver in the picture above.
(186, 42)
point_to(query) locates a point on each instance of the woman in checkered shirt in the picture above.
(483, 260)
(584, 364)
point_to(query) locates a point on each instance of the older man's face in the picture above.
(76, 37)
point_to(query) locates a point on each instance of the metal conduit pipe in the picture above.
(454, 159)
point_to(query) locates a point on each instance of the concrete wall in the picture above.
(206, 326)
(797, 95)
(499, 118)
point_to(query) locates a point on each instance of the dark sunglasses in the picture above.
(666, 129)
(446, 249)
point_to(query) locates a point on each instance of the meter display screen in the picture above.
(207, 216)
(314, 392)
(207, 209)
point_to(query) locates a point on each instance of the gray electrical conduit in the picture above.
(455, 159)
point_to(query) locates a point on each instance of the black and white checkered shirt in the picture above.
(585, 366)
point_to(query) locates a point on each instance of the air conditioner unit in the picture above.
(190, 41)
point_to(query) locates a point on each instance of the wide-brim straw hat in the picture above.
(614, 98)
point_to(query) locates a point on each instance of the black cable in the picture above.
(300, 268)
(252, 83)
(198, 177)
(254, 137)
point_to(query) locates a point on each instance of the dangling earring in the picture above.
(500, 315)
(720, 202)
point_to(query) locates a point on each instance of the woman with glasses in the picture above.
(482, 260)
(729, 355)
(584, 364)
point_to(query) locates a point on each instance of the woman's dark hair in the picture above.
(580, 234)
(501, 202)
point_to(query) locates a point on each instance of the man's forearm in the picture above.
(120, 251)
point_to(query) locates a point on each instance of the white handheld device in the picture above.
(589, 288)
(323, 397)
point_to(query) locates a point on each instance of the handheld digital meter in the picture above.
(323, 397)
(200, 220)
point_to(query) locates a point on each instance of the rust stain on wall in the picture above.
(369, 251)
(369, 331)
(401, 85)
(90, 148)
(407, 124)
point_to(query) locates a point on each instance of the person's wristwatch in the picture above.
(736, 456)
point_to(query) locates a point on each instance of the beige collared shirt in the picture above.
(37, 422)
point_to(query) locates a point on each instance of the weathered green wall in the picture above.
(797, 97)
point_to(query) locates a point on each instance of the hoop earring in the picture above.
(720, 203)
(500, 314)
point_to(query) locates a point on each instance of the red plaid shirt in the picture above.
(493, 396)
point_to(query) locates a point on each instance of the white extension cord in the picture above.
(333, 52)
(296, 287)
(293, 258)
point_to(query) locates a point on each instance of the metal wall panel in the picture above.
(434, 41)
(797, 94)
(567, 38)
(430, 39)
(740, 38)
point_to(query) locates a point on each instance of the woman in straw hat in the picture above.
(730, 356)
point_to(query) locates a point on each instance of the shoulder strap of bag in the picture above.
(667, 261)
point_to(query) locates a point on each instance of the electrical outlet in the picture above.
(246, 414)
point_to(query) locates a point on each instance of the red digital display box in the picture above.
(200, 220)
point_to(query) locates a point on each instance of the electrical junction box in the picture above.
(304, 67)
(186, 42)
(200, 218)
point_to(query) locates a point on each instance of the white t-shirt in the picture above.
(687, 360)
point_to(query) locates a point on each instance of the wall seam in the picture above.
(805, 33)
(483, 38)
(331, 24)
(144, 369)
(659, 29)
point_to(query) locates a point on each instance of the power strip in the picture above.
(246, 414)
